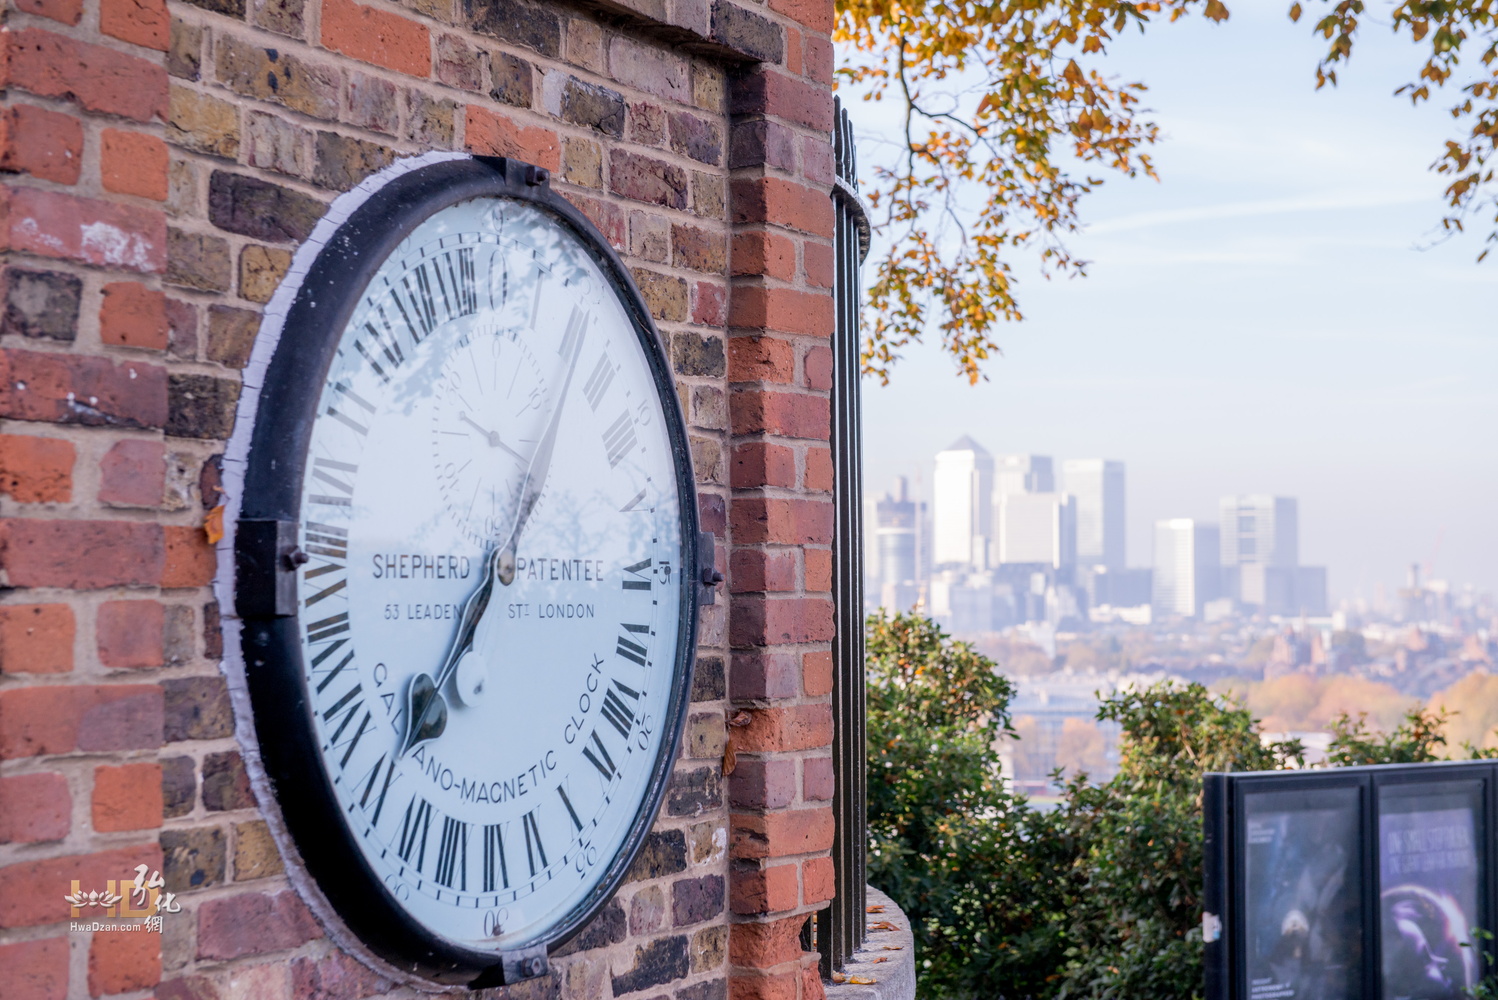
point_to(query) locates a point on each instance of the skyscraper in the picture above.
(897, 539)
(1261, 550)
(1022, 474)
(962, 509)
(1097, 486)
(1187, 565)
(1037, 528)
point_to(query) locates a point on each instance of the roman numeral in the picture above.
(619, 439)
(328, 591)
(634, 502)
(494, 851)
(374, 776)
(417, 302)
(414, 830)
(598, 382)
(458, 285)
(347, 659)
(628, 648)
(576, 324)
(349, 708)
(358, 400)
(541, 277)
(562, 791)
(601, 759)
(533, 847)
(324, 469)
(325, 628)
(326, 540)
(643, 583)
(616, 712)
(385, 342)
(452, 854)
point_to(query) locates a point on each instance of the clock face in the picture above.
(491, 621)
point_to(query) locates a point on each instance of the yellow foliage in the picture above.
(1302, 703)
(1473, 702)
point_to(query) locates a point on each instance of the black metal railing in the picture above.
(840, 927)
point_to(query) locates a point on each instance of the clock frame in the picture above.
(323, 295)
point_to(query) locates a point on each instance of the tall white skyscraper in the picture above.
(1037, 528)
(1261, 550)
(897, 530)
(1097, 486)
(1186, 566)
(962, 511)
(1022, 474)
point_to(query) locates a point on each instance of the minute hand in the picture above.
(535, 476)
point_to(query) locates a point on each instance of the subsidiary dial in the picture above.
(488, 407)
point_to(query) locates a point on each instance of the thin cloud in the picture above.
(1246, 209)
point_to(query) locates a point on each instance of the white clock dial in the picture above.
(491, 613)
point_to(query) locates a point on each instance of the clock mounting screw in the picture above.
(296, 557)
(534, 967)
(711, 577)
(536, 176)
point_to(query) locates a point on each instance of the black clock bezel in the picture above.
(270, 643)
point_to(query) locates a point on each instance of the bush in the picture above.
(1099, 898)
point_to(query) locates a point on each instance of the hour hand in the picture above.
(491, 436)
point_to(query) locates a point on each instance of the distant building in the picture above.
(897, 538)
(962, 512)
(1261, 557)
(1187, 566)
(1022, 474)
(1037, 528)
(1097, 487)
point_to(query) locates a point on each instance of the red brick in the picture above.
(133, 162)
(765, 945)
(818, 368)
(129, 634)
(140, 22)
(646, 179)
(812, 987)
(41, 143)
(780, 833)
(755, 570)
(761, 359)
(55, 719)
(762, 784)
(784, 309)
(814, 14)
(34, 808)
(792, 727)
(253, 924)
(120, 961)
(781, 202)
(36, 639)
(776, 622)
(66, 11)
(767, 91)
(608, 217)
(35, 970)
(817, 160)
(817, 780)
(818, 261)
(31, 893)
(133, 474)
(377, 36)
(127, 798)
(36, 469)
(489, 134)
(758, 674)
(74, 389)
(759, 464)
(818, 59)
(66, 227)
(97, 77)
(133, 316)
(336, 977)
(776, 987)
(818, 570)
(81, 555)
(709, 303)
(759, 520)
(190, 560)
(816, 673)
(787, 414)
(762, 890)
(793, 48)
(818, 470)
(764, 253)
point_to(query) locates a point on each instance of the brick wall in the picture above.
(162, 161)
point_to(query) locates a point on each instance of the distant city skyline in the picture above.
(1260, 322)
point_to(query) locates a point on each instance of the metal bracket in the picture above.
(708, 576)
(526, 963)
(266, 558)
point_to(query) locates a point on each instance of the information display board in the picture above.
(1359, 883)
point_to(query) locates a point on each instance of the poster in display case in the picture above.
(1359, 883)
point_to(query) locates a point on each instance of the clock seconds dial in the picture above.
(490, 617)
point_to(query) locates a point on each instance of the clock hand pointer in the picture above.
(492, 436)
(426, 708)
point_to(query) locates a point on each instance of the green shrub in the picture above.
(1099, 898)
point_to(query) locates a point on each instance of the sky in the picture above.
(1271, 317)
